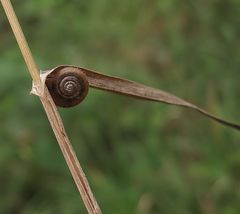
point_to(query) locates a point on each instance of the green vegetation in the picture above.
(140, 157)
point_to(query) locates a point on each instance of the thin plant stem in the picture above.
(52, 114)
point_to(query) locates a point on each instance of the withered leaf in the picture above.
(140, 91)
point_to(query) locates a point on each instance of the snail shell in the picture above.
(68, 86)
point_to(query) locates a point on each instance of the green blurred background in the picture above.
(140, 157)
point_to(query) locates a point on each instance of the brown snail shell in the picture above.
(68, 86)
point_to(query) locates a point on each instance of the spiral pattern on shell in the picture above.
(68, 86)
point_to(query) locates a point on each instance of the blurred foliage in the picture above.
(140, 157)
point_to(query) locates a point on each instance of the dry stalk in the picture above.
(52, 114)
